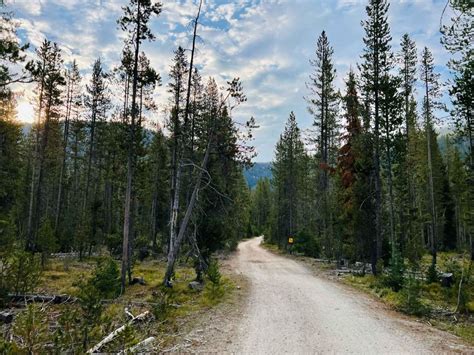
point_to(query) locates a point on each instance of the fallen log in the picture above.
(141, 347)
(116, 332)
(38, 298)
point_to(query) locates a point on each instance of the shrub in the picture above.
(306, 244)
(394, 279)
(162, 303)
(20, 272)
(67, 335)
(214, 290)
(213, 273)
(432, 274)
(106, 278)
(90, 301)
(411, 298)
(31, 326)
(46, 240)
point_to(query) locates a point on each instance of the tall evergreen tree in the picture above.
(135, 21)
(72, 100)
(323, 105)
(432, 92)
(407, 61)
(376, 61)
(287, 173)
(47, 73)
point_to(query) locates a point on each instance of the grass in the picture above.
(179, 303)
(433, 297)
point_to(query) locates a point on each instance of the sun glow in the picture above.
(26, 112)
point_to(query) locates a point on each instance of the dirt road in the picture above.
(292, 311)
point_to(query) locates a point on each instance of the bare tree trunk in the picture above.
(173, 251)
(42, 157)
(176, 175)
(378, 188)
(390, 187)
(130, 162)
(29, 244)
(430, 175)
(65, 143)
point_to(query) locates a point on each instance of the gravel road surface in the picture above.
(290, 310)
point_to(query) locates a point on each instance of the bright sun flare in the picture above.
(26, 112)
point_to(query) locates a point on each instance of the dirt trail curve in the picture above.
(292, 311)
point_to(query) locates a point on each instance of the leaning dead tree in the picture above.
(234, 92)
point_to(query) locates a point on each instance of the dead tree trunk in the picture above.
(130, 158)
(174, 250)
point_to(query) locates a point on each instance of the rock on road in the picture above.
(290, 310)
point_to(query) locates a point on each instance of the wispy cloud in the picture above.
(267, 43)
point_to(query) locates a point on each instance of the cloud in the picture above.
(267, 43)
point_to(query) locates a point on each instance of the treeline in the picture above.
(96, 171)
(377, 188)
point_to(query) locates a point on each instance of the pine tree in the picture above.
(348, 171)
(47, 73)
(286, 171)
(97, 102)
(135, 21)
(377, 60)
(432, 92)
(72, 101)
(11, 53)
(323, 105)
(407, 60)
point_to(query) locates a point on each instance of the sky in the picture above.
(267, 43)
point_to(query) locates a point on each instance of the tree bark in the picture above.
(130, 158)
(173, 252)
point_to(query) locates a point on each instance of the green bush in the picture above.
(306, 244)
(394, 279)
(31, 326)
(214, 291)
(67, 335)
(46, 240)
(411, 298)
(106, 278)
(213, 273)
(432, 274)
(20, 272)
(162, 303)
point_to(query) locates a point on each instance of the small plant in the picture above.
(214, 290)
(67, 335)
(46, 240)
(162, 305)
(394, 279)
(104, 283)
(213, 273)
(6, 347)
(20, 272)
(106, 278)
(432, 274)
(127, 338)
(411, 297)
(31, 327)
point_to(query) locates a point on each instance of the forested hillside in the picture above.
(109, 198)
(257, 172)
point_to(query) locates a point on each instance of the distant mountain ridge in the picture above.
(256, 172)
